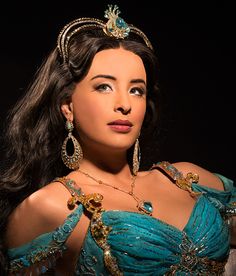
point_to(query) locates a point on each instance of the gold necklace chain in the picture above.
(143, 206)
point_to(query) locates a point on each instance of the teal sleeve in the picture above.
(225, 200)
(41, 254)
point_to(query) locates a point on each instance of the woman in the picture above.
(73, 198)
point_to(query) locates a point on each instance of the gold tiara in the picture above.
(115, 27)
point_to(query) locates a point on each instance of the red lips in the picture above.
(122, 126)
(121, 122)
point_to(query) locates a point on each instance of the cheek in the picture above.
(140, 112)
(84, 114)
(88, 112)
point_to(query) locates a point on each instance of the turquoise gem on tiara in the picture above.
(121, 24)
(115, 26)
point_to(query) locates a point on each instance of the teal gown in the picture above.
(130, 243)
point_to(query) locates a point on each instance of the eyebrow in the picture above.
(113, 78)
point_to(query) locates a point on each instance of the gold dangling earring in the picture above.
(136, 157)
(71, 161)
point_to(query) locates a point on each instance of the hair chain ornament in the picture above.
(143, 206)
(115, 27)
(71, 29)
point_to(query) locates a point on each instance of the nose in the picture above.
(122, 103)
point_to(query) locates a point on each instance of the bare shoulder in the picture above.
(50, 202)
(41, 212)
(206, 178)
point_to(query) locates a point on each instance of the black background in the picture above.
(195, 45)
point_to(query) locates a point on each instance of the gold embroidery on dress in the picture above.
(40, 262)
(99, 230)
(189, 261)
(93, 204)
(87, 268)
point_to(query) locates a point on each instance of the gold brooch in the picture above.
(115, 26)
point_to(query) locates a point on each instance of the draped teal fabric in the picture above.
(143, 245)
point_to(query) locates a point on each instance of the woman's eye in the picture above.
(137, 91)
(103, 87)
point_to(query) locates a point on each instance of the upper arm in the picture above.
(40, 213)
(44, 212)
(206, 178)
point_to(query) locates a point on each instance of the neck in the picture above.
(108, 162)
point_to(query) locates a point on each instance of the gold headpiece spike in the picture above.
(116, 26)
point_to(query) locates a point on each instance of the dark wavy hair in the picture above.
(36, 126)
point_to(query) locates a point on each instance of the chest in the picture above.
(169, 203)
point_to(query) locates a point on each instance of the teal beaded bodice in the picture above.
(129, 243)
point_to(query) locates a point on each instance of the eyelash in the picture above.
(140, 90)
(103, 88)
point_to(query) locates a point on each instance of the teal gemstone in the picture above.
(120, 23)
(147, 205)
(69, 126)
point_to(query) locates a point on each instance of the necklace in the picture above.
(142, 205)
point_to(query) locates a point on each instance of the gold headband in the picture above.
(115, 27)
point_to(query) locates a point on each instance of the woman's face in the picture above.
(109, 104)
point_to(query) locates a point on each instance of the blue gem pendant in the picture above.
(145, 207)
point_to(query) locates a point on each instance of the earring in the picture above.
(71, 161)
(136, 157)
